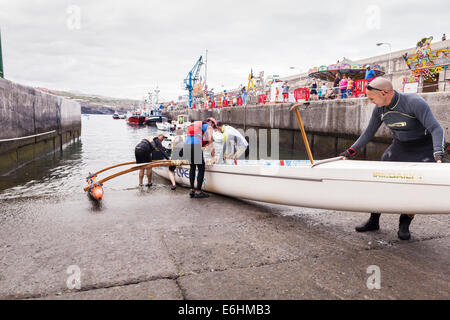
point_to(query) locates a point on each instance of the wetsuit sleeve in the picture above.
(423, 113)
(162, 149)
(374, 123)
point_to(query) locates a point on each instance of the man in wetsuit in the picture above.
(199, 136)
(418, 137)
(146, 151)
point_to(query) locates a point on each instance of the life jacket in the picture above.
(196, 130)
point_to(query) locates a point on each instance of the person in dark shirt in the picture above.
(336, 84)
(418, 137)
(146, 151)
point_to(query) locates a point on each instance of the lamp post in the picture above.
(390, 51)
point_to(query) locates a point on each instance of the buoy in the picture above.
(95, 188)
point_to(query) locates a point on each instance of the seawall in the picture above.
(33, 124)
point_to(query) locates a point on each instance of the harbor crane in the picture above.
(192, 78)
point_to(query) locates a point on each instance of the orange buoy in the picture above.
(95, 188)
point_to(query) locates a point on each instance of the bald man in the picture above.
(418, 137)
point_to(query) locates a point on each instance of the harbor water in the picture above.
(103, 142)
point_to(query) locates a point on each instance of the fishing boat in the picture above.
(152, 120)
(136, 119)
(350, 185)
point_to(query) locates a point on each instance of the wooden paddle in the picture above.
(302, 129)
(160, 163)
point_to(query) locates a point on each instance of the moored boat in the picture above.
(350, 185)
(136, 119)
(152, 120)
(164, 126)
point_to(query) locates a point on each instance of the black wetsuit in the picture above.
(143, 152)
(418, 137)
(193, 152)
(159, 152)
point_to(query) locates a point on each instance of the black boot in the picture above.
(403, 227)
(371, 225)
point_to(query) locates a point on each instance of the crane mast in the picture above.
(192, 78)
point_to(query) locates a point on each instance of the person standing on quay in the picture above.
(336, 84)
(285, 92)
(199, 136)
(350, 83)
(418, 137)
(370, 74)
(343, 87)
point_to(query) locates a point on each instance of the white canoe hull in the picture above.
(362, 186)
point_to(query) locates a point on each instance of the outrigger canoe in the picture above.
(347, 185)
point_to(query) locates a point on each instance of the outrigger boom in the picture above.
(95, 187)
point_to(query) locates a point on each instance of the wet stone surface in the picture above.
(160, 244)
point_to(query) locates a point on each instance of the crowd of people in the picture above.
(343, 87)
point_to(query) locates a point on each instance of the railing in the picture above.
(360, 87)
(27, 137)
(262, 98)
(301, 93)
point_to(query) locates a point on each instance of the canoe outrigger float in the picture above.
(95, 188)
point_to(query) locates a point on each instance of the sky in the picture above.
(125, 49)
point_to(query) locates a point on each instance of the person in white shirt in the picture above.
(324, 90)
(234, 143)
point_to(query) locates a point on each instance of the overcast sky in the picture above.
(124, 48)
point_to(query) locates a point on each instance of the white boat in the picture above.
(350, 185)
(163, 126)
(182, 121)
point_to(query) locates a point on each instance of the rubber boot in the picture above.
(403, 227)
(371, 225)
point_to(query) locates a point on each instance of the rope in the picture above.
(27, 137)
